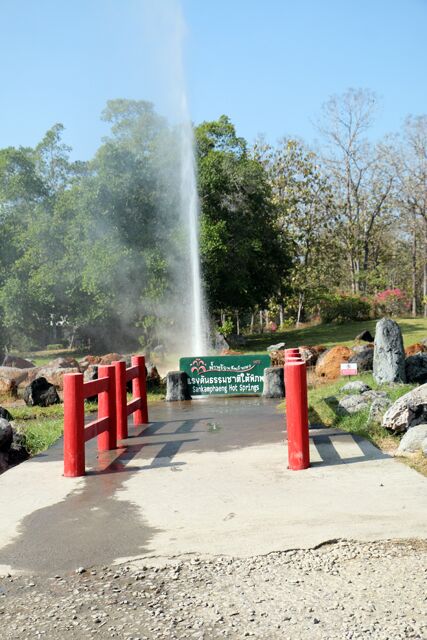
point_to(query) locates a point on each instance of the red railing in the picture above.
(113, 410)
(138, 406)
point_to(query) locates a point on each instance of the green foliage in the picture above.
(226, 328)
(341, 308)
(244, 258)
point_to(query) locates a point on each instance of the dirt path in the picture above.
(340, 591)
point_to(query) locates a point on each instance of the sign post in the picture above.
(225, 375)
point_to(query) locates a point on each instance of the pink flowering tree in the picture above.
(392, 302)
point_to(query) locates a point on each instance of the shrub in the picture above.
(226, 328)
(54, 347)
(392, 302)
(341, 308)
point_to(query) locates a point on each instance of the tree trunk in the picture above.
(267, 319)
(300, 307)
(252, 321)
(414, 269)
(281, 314)
(237, 323)
(425, 269)
(260, 321)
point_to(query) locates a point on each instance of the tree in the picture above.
(244, 257)
(362, 180)
(306, 214)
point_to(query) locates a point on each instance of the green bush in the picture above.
(54, 347)
(339, 308)
(226, 328)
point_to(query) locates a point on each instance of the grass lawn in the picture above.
(323, 401)
(413, 330)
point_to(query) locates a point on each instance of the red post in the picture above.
(74, 418)
(121, 400)
(139, 390)
(293, 352)
(107, 440)
(297, 415)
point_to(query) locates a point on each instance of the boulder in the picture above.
(17, 362)
(8, 387)
(18, 451)
(5, 414)
(220, 343)
(274, 386)
(6, 435)
(329, 363)
(63, 363)
(366, 336)
(416, 368)
(55, 375)
(409, 410)
(356, 386)
(154, 380)
(277, 358)
(18, 375)
(389, 355)
(310, 355)
(177, 386)
(378, 408)
(4, 461)
(424, 447)
(236, 340)
(41, 393)
(372, 395)
(352, 404)
(364, 358)
(418, 347)
(109, 358)
(413, 439)
(276, 347)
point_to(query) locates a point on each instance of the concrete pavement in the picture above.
(206, 477)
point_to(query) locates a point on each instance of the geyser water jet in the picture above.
(198, 344)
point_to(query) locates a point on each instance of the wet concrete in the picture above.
(230, 492)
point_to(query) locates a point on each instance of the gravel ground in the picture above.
(341, 590)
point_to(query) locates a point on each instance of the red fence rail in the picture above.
(113, 410)
(138, 406)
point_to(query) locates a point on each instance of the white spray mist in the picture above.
(167, 22)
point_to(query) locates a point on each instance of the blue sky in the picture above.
(268, 65)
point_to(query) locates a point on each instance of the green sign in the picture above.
(225, 375)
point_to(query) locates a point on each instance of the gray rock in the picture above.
(274, 386)
(409, 410)
(364, 358)
(416, 368)
(352, 404)
(413, 439)
(356, 386)
(6, 435)
(276, 347)
(177, 386)
(389, 355)
(378, 408)
(424, 447)
(372, 395)
(220, 343)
